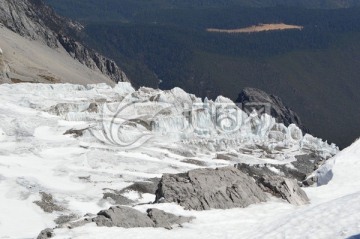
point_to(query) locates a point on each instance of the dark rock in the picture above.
(300, 170)
(278, 185)
(47, 203)
(204, 189)
(149, 186)
(251, 98)
(76, 132)
(46, 233)
(63, 219)
(166, 220)
(122, 217)
(131, 218)
(118, 198)
(284, 188)
(195, 162)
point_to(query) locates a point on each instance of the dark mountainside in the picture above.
(162, 43)
(36, 20)
(249, 98)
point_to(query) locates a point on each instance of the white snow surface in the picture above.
(132, 136)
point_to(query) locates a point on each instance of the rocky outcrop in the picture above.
(118, 199)
(276, 182)
(224, 188)
(254, 98)
(284, 188)
(92, 59)
(47, 203)
(149, 186)
(300, 170)
(127, 217)
(3, 67)
(25, 18)
(36, 20)
(122, 217)
(204, 189)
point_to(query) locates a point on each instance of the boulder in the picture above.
(131, 218)
(121, 216)
(204, 189)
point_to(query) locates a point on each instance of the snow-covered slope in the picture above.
(78, 142)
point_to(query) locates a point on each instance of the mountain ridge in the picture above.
(35, 20)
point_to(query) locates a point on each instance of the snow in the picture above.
(138, 144)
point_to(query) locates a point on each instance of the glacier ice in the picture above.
(128, 118)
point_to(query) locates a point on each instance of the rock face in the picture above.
(23, 18)
(251, 97)
(284, 188)
(299, 170)
(92, 59)
(276, 183)
(35, 20)
(149, 186)
(131, 218)
(3, 66)
(204, 189)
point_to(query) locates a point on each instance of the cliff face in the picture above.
(35, 20)
(92, 59)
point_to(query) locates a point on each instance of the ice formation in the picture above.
(122, 117)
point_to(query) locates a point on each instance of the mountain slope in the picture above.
(36, 21)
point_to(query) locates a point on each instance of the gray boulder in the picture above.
(122, 217)
(166, 220)
(131, 218)
(204, 189)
